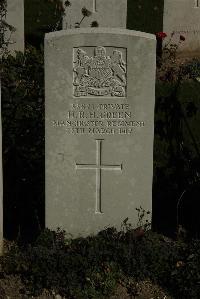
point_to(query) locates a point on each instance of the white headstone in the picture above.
(15, 18)
(107, 13)
(183, 18)
(100, 93)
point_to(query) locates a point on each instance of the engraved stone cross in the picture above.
(98, 167)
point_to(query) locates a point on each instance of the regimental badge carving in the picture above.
(97, 74)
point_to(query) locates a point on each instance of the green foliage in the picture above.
(3, 26)
(145, 15)
(73, 270)
(193, 69)
(176, 147)
(92, 267)
(23, 103)
(41, 16)
(185, 279)
(5, 29)
(23, 140)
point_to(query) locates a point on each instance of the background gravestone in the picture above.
(112, 13)
(44, 16)
(15, 17)
(99, 127)
(183, 18)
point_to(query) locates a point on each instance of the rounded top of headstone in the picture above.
(100, 31)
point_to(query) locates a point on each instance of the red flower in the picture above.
(182, 37)
(161, 35)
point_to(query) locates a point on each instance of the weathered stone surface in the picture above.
(107, 13)
(183, 18)
(99, 127)
(15, 17)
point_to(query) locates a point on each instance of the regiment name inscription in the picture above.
(99, 119)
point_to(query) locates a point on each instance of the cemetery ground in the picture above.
(115, 265)
(127, 264)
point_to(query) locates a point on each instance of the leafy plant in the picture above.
(6, 29)
(92, 267)
(176, 148)
(23, 142)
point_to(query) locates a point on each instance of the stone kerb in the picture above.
(100, 94)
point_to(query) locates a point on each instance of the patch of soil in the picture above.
(148, 290)
(143, 290)
(11, 287)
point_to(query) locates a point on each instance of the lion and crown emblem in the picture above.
(99, 75)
